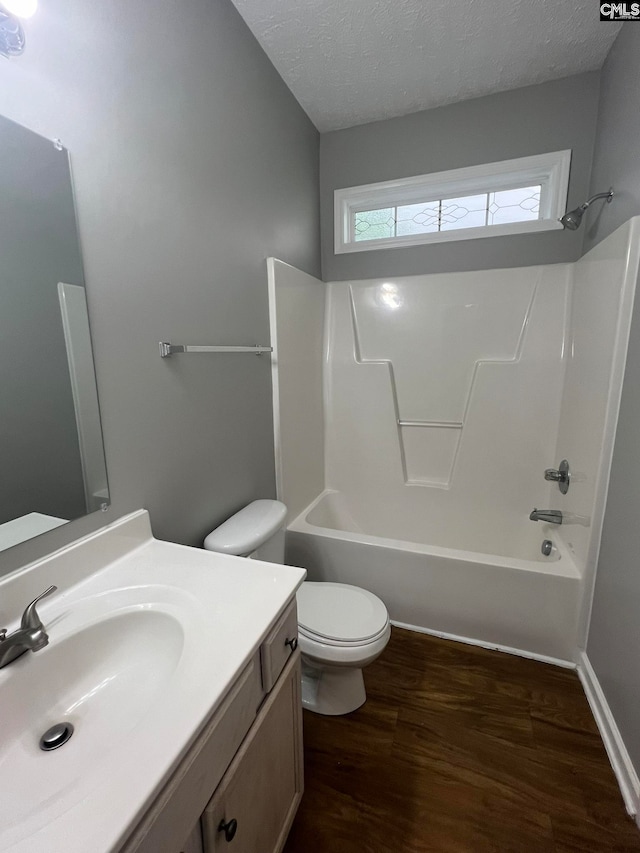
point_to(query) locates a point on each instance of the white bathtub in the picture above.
(525, 603)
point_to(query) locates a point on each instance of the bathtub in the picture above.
(524, 602)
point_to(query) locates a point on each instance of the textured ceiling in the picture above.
(354, 61)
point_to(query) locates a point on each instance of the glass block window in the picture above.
(516, 196)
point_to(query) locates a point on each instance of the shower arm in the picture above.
(589, 202)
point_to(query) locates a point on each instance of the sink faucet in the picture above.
(551, 516)
(30, 635)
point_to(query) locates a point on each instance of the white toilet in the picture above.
(341, 628)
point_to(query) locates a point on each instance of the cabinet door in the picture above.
(193, 843)
(254, 805)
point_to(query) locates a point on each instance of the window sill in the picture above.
(509, 229)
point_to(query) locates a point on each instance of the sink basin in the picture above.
(104, 677)
(145, 640)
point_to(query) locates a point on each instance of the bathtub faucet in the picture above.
(551, 516)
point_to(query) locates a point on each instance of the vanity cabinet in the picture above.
(194, 841)
(238, 787)
(254, 805)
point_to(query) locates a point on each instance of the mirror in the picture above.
(51, 450)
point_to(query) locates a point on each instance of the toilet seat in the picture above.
(357, 655)
(336, 614)
(324, 641)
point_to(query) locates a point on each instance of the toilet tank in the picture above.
(257, 531)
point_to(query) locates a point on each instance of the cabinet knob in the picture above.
(229, 828)
(293, 643)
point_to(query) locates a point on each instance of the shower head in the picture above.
(572, 218)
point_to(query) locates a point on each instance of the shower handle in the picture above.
(560, 475)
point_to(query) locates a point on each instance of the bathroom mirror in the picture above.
(51, 450)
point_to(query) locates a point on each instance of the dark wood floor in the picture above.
(460, 749)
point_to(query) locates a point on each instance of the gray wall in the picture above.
(536, 119)
(192, 162)
(39, 449)
(614, 639)
(616, 162)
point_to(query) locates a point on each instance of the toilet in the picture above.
(341, 628)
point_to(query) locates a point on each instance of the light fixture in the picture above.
(572, 218)
(12, 38)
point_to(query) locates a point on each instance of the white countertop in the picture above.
(26, 527)
(88, 796)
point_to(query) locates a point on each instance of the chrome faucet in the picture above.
(551, 516)
(31, 634)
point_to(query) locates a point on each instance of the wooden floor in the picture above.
(460, 749)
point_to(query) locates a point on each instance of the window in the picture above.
(510, 197)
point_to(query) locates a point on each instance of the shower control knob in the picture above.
(561, 476)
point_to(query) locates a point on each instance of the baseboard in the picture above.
(616, 750)
(567, 664)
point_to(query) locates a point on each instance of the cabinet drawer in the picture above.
(279, 646)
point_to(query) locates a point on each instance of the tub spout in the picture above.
(551, 516)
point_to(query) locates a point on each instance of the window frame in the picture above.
(550, 170)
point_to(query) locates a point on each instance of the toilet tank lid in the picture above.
(247, 529)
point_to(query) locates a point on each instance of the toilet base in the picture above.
(332, 691)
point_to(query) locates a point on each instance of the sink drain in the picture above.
(56, 736)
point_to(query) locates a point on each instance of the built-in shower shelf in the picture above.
(436, 424)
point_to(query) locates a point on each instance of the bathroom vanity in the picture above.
(180, 673)
(242, 780)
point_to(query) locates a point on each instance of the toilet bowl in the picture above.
(341, 628)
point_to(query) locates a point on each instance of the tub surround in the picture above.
(296, 315)
(458, 379)
(602, 300)
(213, 611)
(444, 399)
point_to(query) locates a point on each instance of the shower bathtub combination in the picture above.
(414, 420)
(518, 602)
